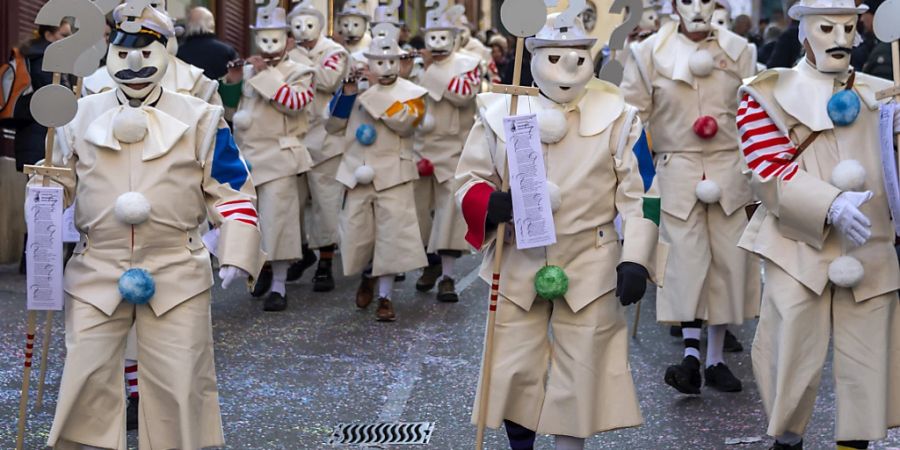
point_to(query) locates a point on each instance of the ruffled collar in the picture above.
(672, 50)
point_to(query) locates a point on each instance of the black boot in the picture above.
(779, 446)
(275, 302)
(685, 377)
(263, 282)
(131, 413)
(323, 280)
(520, 438)
(720, 378)
(732, 344)
(295, 271)
(430, 276)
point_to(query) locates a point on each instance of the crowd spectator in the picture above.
(501, 57)
(769, 39)
(202, 48)
(787, 48)
(860, 54)
(879, 63)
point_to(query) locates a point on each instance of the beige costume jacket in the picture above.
(187, 79)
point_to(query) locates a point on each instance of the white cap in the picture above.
(270, 19)
(306, 8)
(825, 7)
(556, 33)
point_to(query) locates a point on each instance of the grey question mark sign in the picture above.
(523, 18)
(89, 61)
(613, 71)
(55, 105)
(567, 17)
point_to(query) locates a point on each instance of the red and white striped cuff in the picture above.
(292, 99)
(240, 210)
(333, 61)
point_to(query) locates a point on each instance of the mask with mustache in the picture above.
(831, 38)
(137, 71)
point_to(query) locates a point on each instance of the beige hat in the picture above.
(306, 8)
(354, 8)
(556, 33)
(270, 19)
(383, 48)
(825, 7)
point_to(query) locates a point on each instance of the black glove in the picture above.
(500, 208)
(631, 282)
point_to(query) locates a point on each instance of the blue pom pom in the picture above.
(365, 134)
(137, 286)
(843, 108)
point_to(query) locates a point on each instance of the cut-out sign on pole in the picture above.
(613, 71)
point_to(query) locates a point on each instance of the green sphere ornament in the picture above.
(551, 282)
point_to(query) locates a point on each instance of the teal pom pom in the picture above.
(551, 282)
(137, 286)
(365, 134)
(843, 108)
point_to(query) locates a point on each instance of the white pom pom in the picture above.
(364, 174)
(849, 175)
(701, 63)
(242, 120)
(130, 125)
(555, 196)
(708, 191)
(846, 271)
(552, 125)
(132, 208)
(427, 124)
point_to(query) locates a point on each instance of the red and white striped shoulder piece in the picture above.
(462, 84)
(767, 149)
(240, 210)
(294, 99)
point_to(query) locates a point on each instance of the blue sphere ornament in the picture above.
(843, 108)
(137, 286)
(365, 134)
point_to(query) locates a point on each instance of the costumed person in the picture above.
(565, 384)
(353, 30)
(378, 229)
(452, 80)
(648, 25)
(270, 126)
(722, 15)
(810, 139)
(683, 80)
(470, 45)
(148, 168)
(330, 62)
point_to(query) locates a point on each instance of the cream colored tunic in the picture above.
(801, 307)
(598, 177)
(708, 276)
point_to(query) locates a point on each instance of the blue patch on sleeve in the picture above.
(228, 166)
(645, 160)
(341, 105)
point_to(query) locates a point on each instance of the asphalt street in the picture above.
(287, 379)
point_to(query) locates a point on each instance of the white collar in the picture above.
(672, 50)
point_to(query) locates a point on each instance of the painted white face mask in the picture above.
(137, 70)
(271, 42)
(352, 28)
(387, 70)
(695, 14)
(379, 31)
(440, 42)
(305, 28)
(649, 20)
(831, 39)
(562, 73)
(720, 17)
(464, 35)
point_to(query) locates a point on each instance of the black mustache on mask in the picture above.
(838, 50)
(128, 74)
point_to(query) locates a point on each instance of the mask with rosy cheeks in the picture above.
(352, 28)
(695, 14)
(386, 70)
(440, 42)
(649, 20)
(831, 39)
(720, 17)
(562, 73)
(137, 70)
(306, 28)
(270, 42)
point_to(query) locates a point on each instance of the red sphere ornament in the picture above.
(706, 127)
(426, 168)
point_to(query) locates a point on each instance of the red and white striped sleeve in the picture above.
(494, 72)
(239, 210)
(463, 84)
(767, 150)
(333, 61)
(294, 99)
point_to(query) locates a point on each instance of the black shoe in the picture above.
(685, 377)
(720, 378)
(430, 276)
(295, 271)
(779, 446)
(732, 345)
(447, 291)
(400, 277)
(675, 331)
(323, 280)
(263, 282)
(131, 413)
(275, 302)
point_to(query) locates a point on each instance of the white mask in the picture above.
(137, 70)
(695, 14)
(720, 17)
(831, 39)
(464, 35)
(387, 70)
(306, 28)
(649, 20)
(352, 28)
(172, 46)
(270, 42)
(379, 30)
(562, 73)
(440, 41)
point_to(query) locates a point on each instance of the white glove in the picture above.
(844, 214)
(229, 274)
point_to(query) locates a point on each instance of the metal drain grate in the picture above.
(382, 433)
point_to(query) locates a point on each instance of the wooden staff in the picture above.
(484, 393)
(330, 18)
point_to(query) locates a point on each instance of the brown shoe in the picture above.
(430, 275)
(365, 293)
(385, 311)
(447, 291)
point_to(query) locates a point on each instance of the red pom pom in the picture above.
(426, 169)
(706, 127)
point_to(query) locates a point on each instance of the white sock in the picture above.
(715, 341)
(568, 442)
(447, 262)
(385, 286)
(279, 276)
(131, 377)
(789, 438)
(691, 333)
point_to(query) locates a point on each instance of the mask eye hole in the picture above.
(553, 59)
(827, 28)
(687, 2)
(581, 61)
(705, 2)
(146, 53)
(848, 29)
(123, 55)
(274, 41)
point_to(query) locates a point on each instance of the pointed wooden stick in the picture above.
(26, 379)
(45, 352)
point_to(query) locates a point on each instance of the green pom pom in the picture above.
(551, 282)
